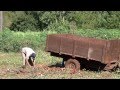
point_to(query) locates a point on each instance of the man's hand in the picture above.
(33, 61)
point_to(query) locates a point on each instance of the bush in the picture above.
(100, 33)
(61, 26)
(23, 22)
(6, 40)
(40, 20)
(11, 41)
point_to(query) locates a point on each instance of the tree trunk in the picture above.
(1, 20)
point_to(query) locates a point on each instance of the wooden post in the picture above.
(1, 20)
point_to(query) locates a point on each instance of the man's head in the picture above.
(31, 59)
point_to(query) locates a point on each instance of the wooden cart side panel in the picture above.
(96, 48)
(118, 51)
(81, 48)
(112, 51)
(90, 48)
(53, 43)
(67, 46)
(115, 49)
(106, 56)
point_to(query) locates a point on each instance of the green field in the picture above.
(10, 65)
(11, 60)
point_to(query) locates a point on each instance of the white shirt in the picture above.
(28, 51)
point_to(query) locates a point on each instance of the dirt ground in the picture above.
(53, 72)
(40, 69)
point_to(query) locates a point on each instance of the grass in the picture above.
(10, 64)
(14, 41)
(100, 33)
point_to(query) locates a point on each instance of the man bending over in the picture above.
(28, 56)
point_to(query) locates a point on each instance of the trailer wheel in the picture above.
(72, 64)
(112, 66)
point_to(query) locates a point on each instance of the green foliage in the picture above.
(97, 24)
(6, 40)
(61, 26)
(41, 20)
(8, 17)
(23, 22)
(13, 41)
(100, 33)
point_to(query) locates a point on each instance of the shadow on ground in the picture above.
(86, 65)
(56, 65)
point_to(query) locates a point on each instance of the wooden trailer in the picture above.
(73, 48)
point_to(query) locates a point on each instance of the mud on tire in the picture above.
(73, 64)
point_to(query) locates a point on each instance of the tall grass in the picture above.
(100, 33)
(11, 41)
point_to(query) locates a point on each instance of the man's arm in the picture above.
(27, 58)
(33, 62)
(23, 57)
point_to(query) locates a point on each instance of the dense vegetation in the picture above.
(40, 20)
(14, 41)
(30, 28)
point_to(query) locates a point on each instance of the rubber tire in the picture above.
(73, 61)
